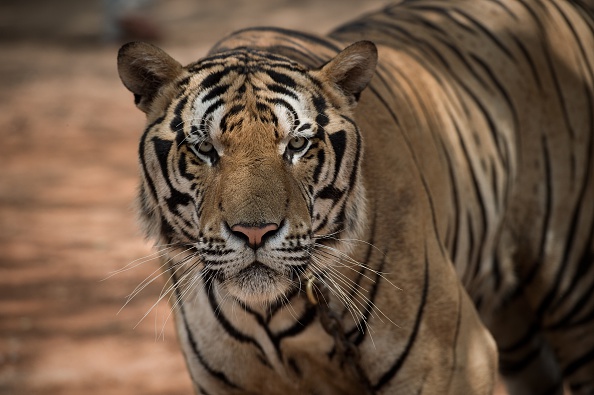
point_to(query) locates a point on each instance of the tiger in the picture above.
(402, 206)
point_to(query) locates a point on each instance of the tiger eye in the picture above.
(297, 143)
(205, 147)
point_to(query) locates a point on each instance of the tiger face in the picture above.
(249, 161)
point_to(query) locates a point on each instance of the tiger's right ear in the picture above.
(144, 69)
(352, 69)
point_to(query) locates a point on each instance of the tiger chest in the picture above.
(238, 352)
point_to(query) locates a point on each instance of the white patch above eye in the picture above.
(286, 120)
(293, 124)
(206, 125)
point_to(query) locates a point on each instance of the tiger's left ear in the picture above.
(352, 69)
(144, 69)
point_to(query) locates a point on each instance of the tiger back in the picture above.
(347, 220)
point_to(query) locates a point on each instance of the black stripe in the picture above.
(208, 63)
(430, 25)
(454, 367)
(183, 169)
(281, 78)
(379, 77)
(264, 325)
(579, 363)
(282, 102)
(192, 340)
(298, 53)
(544, 304)
(476, 188)
(215, 92)
(494, 184)
(304, 127)
(338, 142)
(582, 273)
(424, 47)
(390, 373)
(471, 259)
(302, 322)
(320, 105)
(292, 33)
(587, 255)
(559, 94)
(493, 77)
(369, 305)
(568, 319)
(282, 90)
(358, 153)
(505, 8)
(284, 301)
(330, 192)
(272, 60)
(508, 367)
(309, 55)
(581, 387)
(162, 150)
(224, 123)
(487, 32)
(452, 241)
(365, 263)
(535, 72)
(214, 106)
(463, 59)
(227, 326)
(321, 225)
(141, 154)
(318, 169)
(531, 332)
(213, 79)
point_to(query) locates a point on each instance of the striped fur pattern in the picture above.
(445, 202)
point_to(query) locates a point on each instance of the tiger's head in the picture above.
(249, 160)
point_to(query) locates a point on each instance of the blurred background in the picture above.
(68, 174)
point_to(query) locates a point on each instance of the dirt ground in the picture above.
(68, 175)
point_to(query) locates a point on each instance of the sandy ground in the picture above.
(68, 175)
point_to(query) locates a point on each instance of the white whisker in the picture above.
(176, 266)
(357, 263)
(348, 282)
(146, 282)
(138, 262)
(344, 298)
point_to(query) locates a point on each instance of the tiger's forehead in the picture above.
(230, 93)
(245, 60)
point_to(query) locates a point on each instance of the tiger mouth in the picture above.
(261, 283)
(257, 269)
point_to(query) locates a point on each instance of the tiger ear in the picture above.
(352, 69)
(144, 69)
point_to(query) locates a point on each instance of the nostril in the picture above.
(254, 235)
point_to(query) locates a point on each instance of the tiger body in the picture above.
(455, 191)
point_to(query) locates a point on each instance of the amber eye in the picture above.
(206, 151)
(297, 143)
(205, 148)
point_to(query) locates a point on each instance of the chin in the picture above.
(258, 284)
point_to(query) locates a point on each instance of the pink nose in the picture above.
(254, 234)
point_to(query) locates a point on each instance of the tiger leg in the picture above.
(575, 347)
(569, 326)
(475, 354)
(526, 359)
